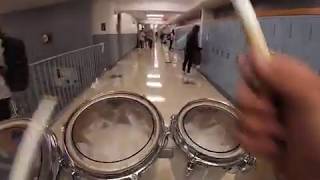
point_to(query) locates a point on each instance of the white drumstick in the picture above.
(252, 27)
(31, 140)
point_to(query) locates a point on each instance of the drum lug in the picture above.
(166, 152)
(173, 117)
(134, 177)
(173, 122)
(62, 163)
(167, 132)
(172, 127)
(190, 166)
(75, 174)
(247, 163)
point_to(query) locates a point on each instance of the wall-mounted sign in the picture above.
(103, 27)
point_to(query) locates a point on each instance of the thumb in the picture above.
(285, 76)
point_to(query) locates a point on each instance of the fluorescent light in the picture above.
(156, 60)
(155, 15)
(156, 98)
(154, 84)
(153, 76)
(155, 19)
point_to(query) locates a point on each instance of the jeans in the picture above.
(187, 62)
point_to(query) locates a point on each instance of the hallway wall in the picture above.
(224, 40)
(68, 23)
(72, 25)
(119, 39)
(116, 45)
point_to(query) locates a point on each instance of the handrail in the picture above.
(66, 53)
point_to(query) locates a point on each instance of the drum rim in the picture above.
(193, 150)
(123, 159)
(50, 143)
(98, 169)
(10, 123)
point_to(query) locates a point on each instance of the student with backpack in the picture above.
(14, 72)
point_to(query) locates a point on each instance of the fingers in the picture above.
(255, 125)
(284, 75)
(249, 101)
(259, 128)
(258, 117)
(260, 146)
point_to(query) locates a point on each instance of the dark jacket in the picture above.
(17, 74)
(192, 48)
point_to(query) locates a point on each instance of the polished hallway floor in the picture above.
(149, 73)
(157, 75)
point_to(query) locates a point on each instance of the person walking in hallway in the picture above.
(149, 38)
(172, 38)
(156, 36)
(192, 49)
(142, 37)
(5, 93)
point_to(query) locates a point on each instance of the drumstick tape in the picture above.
(252, 27)
(31, 140)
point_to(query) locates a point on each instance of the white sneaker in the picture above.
(186, 78)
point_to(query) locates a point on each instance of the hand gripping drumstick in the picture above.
(257, 42)
(31, 139)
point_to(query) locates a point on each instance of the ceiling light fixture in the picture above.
(155, 19)
(155, 15)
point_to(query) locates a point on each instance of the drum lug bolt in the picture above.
(134, 177)
(190, 166)
(75, 174)
(248, 162)
(62, 162)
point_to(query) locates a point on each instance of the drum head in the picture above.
(210, 128)
(11, 133)
(113, 133)
(207, 128)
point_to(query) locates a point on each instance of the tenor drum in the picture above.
(203, 132)
(114, 136)
(45, 164)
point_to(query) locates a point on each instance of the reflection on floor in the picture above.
(157, 75)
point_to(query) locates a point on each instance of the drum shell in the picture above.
(240, 159)
(262, 170)
(48, 156)
(179, 164)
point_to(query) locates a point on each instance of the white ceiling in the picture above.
(169, 8)
(156, 5)
(122, 5)
(141, 16)
(14, 5)
(137, 8)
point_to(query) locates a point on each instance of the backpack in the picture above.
(17, 74)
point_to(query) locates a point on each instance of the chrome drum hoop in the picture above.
(197, 155)
(82, 165)
(48, 170)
